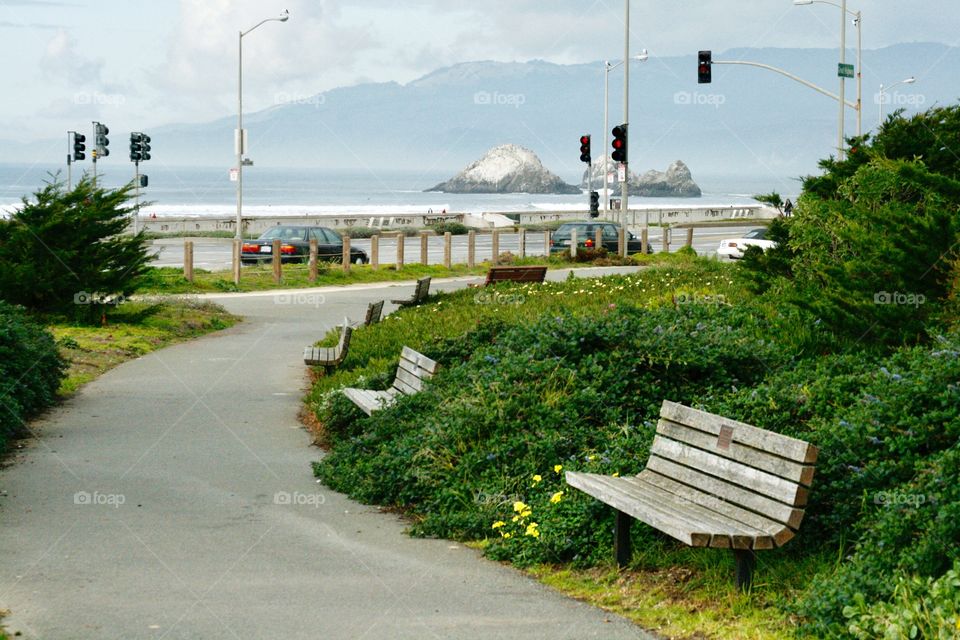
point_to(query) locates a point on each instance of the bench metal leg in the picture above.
(746, 562)
(621, 539)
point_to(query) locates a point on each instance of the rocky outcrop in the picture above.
(508, 168)
(675, 182)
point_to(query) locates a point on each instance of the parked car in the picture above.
(586, 237)
(733, 248)
(295, 246)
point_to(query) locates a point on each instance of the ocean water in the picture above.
(206, 191)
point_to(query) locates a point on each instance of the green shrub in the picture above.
(454, 228)
(30, 371)
(66, 251)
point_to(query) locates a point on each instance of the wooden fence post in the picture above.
(495, 242)
(573, 244)
(644, 240)
(400, 247)
(622, 241)
(314, 249)
(375, 251)
(188, 260)
(277, 262)
(522, 242)
(546, 243)
(447, 249)
(598, 239)
(666, 239)
(424, 257)
(345, 258)
(690, 237)
(471, 249)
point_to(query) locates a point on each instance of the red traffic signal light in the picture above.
(704, 67)
(619, 143)
(585, 149)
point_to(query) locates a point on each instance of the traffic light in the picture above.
(594, 204)
(143, 181)
(79, 147)
(704, 67)
(144, 147)
(102, 141)
(135, 146)
(619, 143)
(585, 149)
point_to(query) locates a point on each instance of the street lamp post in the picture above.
(883, 90)
(858, 22)
(240, 138)
(607, 68)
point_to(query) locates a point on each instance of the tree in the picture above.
(68, 251)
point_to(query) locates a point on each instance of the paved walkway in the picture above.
(153, 505)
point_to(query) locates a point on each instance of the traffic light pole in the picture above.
(69, 162)
(136, 194)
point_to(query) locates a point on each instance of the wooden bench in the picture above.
(711, 482)
(414, 369)
(531, 273)
(419, 295)
(374, 313)
(330, 356)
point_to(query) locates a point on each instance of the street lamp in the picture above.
(883, 90)
(858, 22)
(607, 68)
(239, 138)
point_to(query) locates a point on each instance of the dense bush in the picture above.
(65, 251)
(579, 392)
(454, 228)
(30, 371)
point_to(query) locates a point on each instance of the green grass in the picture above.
(132, 330)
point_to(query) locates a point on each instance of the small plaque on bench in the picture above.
(725, 438)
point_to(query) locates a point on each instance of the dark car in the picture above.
(295, 246)
(586, 237)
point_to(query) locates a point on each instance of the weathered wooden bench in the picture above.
(711, 482)
(374, 313)
(330, 356)
(419, 295)
(526, 273)
(413, 370)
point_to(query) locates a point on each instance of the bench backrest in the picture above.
(374, 312)
(423, 290)
(346, 332)
(516, 274)
(413, 369)
(758, 470)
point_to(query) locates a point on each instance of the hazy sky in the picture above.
(136, 63)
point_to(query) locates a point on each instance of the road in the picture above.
(215, 253)
(173, 498)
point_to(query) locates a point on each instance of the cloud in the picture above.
(62, 59)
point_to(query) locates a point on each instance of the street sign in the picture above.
(234, 174)
(622, 173)
(845, 71)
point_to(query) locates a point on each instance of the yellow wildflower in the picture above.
(519, 506)
(515, 519)
(557, 497)
(508, 535)
(536, 479)
(616, 474)
(533, 530)
(557, 468)
(498, 524)
(525, 514)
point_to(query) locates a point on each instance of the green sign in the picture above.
(845, 71)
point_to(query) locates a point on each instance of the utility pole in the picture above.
(626, 112)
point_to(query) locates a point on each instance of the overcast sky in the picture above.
(135, 64)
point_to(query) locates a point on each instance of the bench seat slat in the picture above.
(422, 361)
(726, 469)
(784, 446)
(737, 495)
(749, 456)
(687, 517)
(409, 381)
(778, 532)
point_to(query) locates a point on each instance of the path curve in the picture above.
(151, 506)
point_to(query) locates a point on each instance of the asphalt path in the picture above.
(215, 253)
(173, 498)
